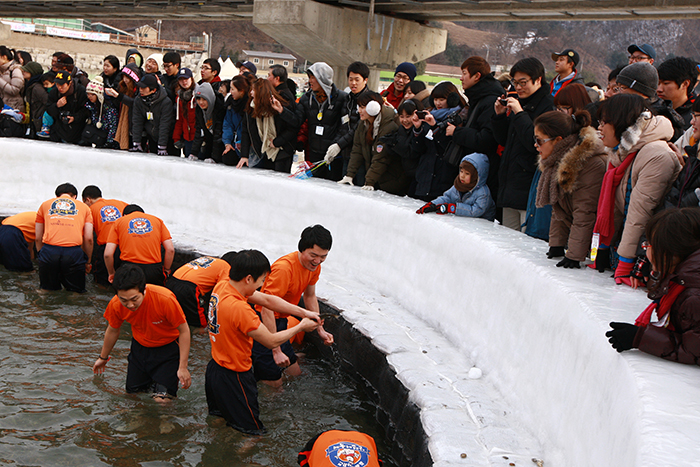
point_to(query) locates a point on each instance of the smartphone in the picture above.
(421, 114)
(503, 102)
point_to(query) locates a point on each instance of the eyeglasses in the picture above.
(540, 142)
(645, 245)
(205, 67)
(168, 65)
(521, 83)
(402, 77)
(638, 58)
(564, 108)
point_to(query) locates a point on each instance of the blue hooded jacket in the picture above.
(477, 202)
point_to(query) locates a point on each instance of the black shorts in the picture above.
(154, 272)
(264, 366)
(233, 396)
(193, 303)
(99, 268)
(59, 265)
(14, 253)
(153, 366)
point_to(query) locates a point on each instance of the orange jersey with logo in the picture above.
(230, 320)
(337, 447)
(139, 237)
(154, 323)
(26, 222)
(105, 213)
(288, 279)
(64, 220)
(205, 272)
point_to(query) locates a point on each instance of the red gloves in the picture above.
(623, 273)
(446, 208)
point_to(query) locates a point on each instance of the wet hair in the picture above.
(315, 235)
(280, 72)
(228, 256)
(621, 111)
(555, 123)
(114, 61)
(574, 95)
(409, 106)
(172, 57)
(214, 64)
(360, 68)
(5, 52)
(531, 67)
(613, 74)
(248, 263)
(264, 91)
(132, 208)
(416, 86)
(678, 70)
(91, 191)
(25, 57)
(447, 90)
(674, 234)
(67, 188)
(128, 277)
(476, 65)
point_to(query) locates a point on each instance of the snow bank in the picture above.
(438, 295)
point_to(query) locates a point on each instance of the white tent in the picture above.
(228, 69)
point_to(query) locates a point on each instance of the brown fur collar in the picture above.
(578, 151)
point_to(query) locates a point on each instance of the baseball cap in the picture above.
(571, 53)
(646, 49)
(62, 77)
(149, 81)
(248, 66)
(184, 73)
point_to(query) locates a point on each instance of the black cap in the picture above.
(149, 81)
(248, 66)
(62, 77)
(571, 53)
(646, 49)
(184, 73)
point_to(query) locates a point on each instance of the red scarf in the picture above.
(605, 220)
(661, 306)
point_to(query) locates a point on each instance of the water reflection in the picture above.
(54, 411)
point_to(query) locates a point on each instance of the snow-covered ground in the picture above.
(439, 295)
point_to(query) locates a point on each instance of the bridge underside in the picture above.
(418, 10)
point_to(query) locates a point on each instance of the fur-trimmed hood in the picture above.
(579, 149)
(646, 129)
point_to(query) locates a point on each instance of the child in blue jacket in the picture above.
(469, 196)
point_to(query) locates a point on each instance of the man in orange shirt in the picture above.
(292, 276)
(63, 228)
(230, 386)
(104, 213)
(160, 343)
(339, 447)
(17, 235)
(139, 237)
(193, 283)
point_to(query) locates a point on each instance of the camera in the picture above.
(453, 119)
(65, 116)
(421, 114)
(503, 101)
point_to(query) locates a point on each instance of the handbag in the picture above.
(93, 136)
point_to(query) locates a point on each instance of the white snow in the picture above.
(441, 296)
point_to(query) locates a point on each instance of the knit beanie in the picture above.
(96, 86)
(158, 58)
(641, 77)
(408, 68)
(33, 68)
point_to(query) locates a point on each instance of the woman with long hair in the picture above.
(268, 129)
(572, 162)
(673, 249)
(11, 80)
(233, 121)
(124, 96)
(185, 114)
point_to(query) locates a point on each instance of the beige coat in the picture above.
(580, 175)
(653, 171)
(11, 85)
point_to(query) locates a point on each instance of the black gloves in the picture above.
(567, 263)
(602, 260)
(555, 252)
(622, 336)
(428, 207)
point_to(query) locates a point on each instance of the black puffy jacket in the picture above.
(325, 122)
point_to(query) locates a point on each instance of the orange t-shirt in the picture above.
(104, 213)
(288, 279)
(204, 272)
(154, 323)
(64, 220)
(26, 222)
(230, 320)
(336, 447)
(139, 237)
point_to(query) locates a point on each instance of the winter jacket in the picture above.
(686, 111)
(664, 109)
(185, 118)
(208, 134)
(350, 122)
(477, 134)
(382, 164)
(11, 85)
(519, 160)
(75, 107)
(559, 85)
(233, 123)
(652, 173)
(477, 202)
(37, 98)
(391, 98)
(158, 127)
(329, 128)
(682, 194)
(131, 52)
(682, 344)
(285, 125)
(579, 175)
(106, 115)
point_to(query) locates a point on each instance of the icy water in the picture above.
(54, 411)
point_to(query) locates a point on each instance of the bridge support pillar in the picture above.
(340, 36)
